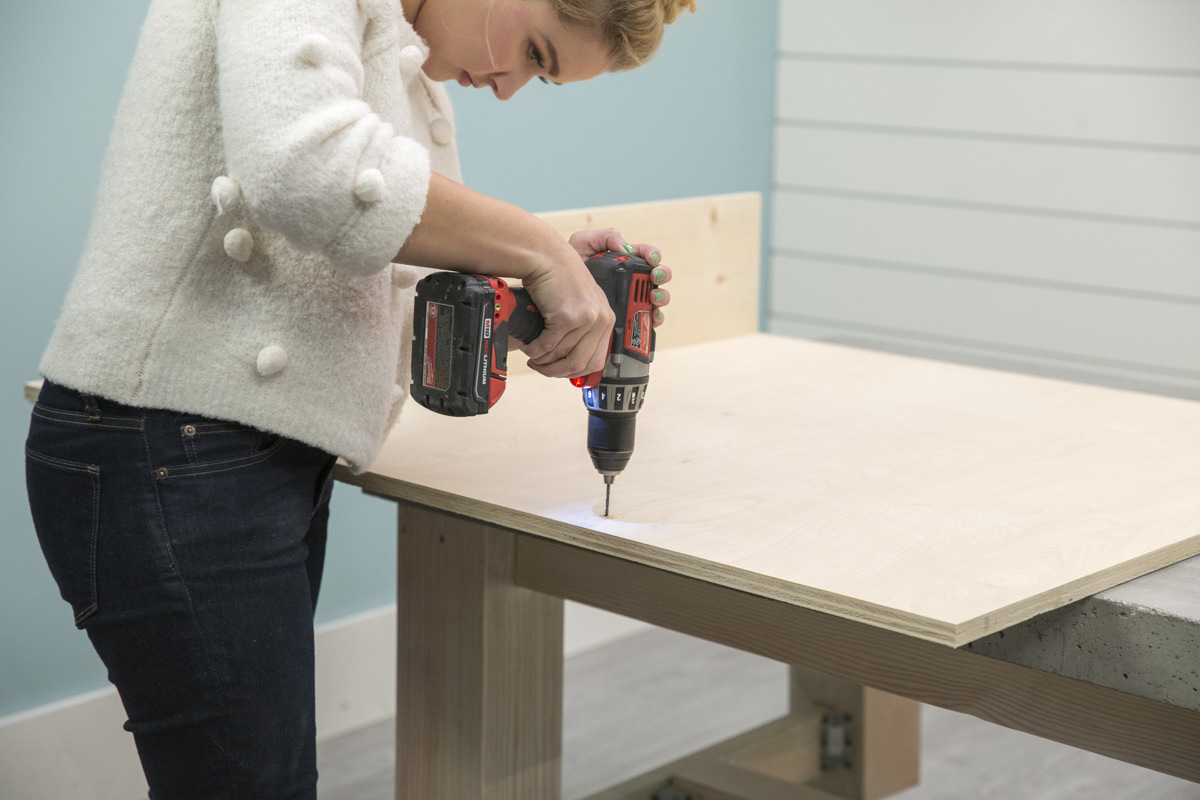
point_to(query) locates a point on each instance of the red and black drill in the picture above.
(460, 350)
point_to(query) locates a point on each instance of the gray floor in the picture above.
(656, 696)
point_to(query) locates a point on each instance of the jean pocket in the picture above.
(212, 446)
(64, 499)
(207, 441)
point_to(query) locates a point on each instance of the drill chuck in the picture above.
(610, 441)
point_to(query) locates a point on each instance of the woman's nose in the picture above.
(506, 85)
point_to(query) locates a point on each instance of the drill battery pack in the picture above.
(461, 325)
(454, 325)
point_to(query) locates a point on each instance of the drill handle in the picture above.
(525, 322)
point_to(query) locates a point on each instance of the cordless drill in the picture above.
(462, 323)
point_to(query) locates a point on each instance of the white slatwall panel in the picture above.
(1073, 105)
(1006, 181)
(1099, 329)
(1085, 254)
(1133, 184)
(1143, 34)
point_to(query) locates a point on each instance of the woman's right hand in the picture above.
(578, 319)
(466, 231)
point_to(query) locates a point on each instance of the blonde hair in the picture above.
(632, 28)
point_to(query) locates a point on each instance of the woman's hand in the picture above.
(578, 320)
(466, 231)
(588, 243)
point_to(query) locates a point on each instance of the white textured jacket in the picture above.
(268, 160)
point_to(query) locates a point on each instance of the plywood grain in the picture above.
(941, 501)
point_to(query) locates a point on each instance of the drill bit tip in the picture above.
(608, 482)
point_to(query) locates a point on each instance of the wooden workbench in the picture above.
(859, 514)
(891, 527)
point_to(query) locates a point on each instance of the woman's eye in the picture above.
(536, 55)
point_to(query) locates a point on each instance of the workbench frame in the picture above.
(479, 690)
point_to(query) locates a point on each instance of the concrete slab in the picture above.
(1142, 637)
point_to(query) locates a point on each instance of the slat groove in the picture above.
(982, 136)
(985, 277)
(975, 205)
(987, 64)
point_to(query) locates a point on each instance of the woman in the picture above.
(237, 322)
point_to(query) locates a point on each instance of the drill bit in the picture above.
(608, 482)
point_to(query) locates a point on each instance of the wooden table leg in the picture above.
(882, 734)
(480, 667)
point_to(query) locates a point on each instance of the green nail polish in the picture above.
(658, 297)
(654, 259)
(660, 275)
(630, 248)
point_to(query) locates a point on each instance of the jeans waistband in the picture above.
(55, 395)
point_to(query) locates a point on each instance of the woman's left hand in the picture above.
(588, 243)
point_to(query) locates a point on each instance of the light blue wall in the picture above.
(696, 121)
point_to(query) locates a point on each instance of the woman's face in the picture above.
(501, 44)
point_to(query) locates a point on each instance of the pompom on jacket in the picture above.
(268, 160)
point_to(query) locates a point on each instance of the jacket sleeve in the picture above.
(314, 161)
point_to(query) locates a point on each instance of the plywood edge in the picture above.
(689, 566)
(1074, 591)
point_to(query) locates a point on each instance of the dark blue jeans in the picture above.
(190, 550)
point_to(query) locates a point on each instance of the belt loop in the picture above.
(91, 407)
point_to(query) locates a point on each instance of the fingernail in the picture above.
(629, 248)
(658, 297)
(660, 275)
(654, 259)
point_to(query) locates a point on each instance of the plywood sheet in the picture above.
(934, 499)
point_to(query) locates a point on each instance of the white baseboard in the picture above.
(73, 748)
(356, 671)
(76, 747)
